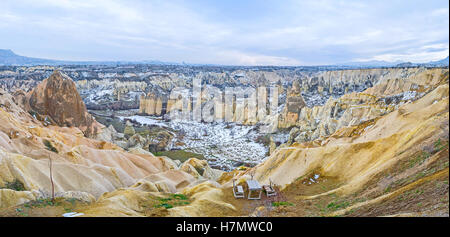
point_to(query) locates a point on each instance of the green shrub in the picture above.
(199, 170)
(439, 145)
(68, 209)
(277, 204)
(173, 200)
(165, 205)
(43, 202)
(49, 146)
(180, 196)
(419, 159)
(165, 199)
(15, 185)
(337, 205)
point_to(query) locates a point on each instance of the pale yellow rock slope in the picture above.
(80, 164)
(355, 154)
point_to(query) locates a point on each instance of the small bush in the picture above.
(15, 185)
(199, 170)
(181, 203)
(179, 196)
(33, 114)
(43, 202)
(165, 199)
(419, 159)
(165, 205)
(49, 146)
(173, 200)
(68, 209)
(439, 145)
(277, 204)
(337, 205)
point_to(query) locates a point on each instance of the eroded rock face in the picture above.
(159, 142)
(151, 104)
(129, 130)
(393, 88)
(82, 167)
(200, 168)
(108, 134)
(293, 107)
(355, 154)
(58, 98)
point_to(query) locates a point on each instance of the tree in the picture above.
(50, 147)
(51, 178)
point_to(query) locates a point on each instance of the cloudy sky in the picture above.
(232, 32)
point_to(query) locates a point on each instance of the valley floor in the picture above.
(393, 164)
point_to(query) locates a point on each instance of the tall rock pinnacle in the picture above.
(57, 97)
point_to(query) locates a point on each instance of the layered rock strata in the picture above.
(58, 98)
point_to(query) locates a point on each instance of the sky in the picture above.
(231, 32)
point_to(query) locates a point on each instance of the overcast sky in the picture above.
(233, 32)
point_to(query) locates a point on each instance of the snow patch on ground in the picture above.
(225, 145)
(72, 214)
(144, 120)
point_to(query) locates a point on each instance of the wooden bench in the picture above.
(270, 191)
(238, 191)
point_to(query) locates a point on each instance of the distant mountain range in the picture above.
(8, 58)
(442, 62)
(375, 63)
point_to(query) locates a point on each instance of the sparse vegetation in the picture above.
(35, 115)
(68, 209)
(44, 206)
(49, 146)
(180, 196)
(333, 206)
(165, 205)
(199, 170)
(439, 145)
(41, 202)
(172, 200)
(277, 204)
(419, 159)
(15, 185)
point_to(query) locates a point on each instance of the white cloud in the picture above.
(440, 12)
(312, 32)
(240, 58)
(414, 57)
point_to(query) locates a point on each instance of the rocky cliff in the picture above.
(391, 89)
(58, 98)
(376, 151)
(82, 168)
(378, 163)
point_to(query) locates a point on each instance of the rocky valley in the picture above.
(169, 140)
